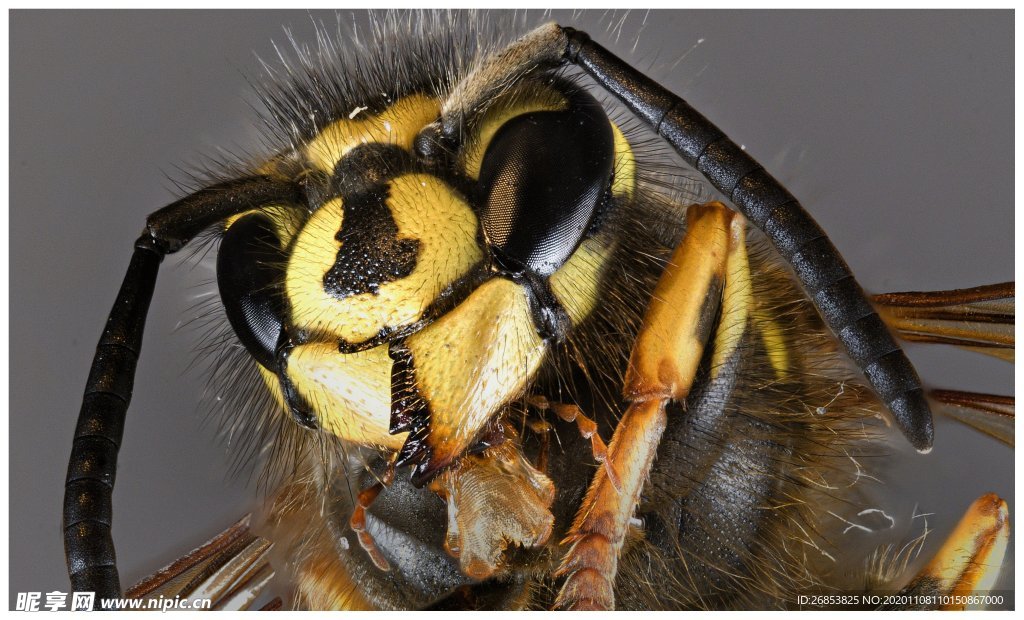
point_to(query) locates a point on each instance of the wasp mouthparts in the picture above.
(495, 500)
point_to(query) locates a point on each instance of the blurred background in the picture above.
(895, 129)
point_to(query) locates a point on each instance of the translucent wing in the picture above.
(231, 570)
(992, 415)
(979, 319)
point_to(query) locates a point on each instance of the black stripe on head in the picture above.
(371, 254)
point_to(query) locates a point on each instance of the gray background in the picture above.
(895, 129)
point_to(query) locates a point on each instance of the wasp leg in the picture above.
(358, 521)
(88, 488)
(730, 169)
(543, 430)
(587, 428)
(968, 561)
(979, 319)
(662, 367)
(600, 526)
(231, 570)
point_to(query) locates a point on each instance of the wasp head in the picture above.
(414, 296)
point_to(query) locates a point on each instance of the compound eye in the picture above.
(542, 178)
(250, 274)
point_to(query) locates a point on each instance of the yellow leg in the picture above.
(358, 520)
(586, 426)
(662, 367)
(600, 526)
(969, 561)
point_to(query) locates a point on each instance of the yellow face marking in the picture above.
(397, 125)
(737, 297)
(577, 283)
(472, 361)
(624, 184)
(350, 392)
(424, 208)
(510, 106)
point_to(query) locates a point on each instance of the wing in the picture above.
(231, 571)
(978, 319)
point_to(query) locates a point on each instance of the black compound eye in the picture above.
(250, 274)
(542, 178)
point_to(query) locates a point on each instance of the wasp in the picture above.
(450, 287)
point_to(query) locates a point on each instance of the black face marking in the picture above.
(371, 254)
(407, 409)
(457, 292)
(453, 295)
(369, 166)
(536, 202)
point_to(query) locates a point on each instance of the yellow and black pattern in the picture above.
(388, 285)
(414, 339)
(488, 338)
(433, 235)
